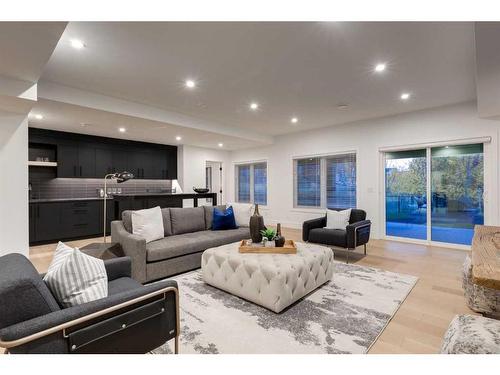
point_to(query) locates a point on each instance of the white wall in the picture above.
(367, 137)
(13, 183)
(191, 167)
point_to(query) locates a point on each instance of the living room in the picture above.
(302, 187)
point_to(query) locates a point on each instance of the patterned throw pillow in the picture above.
(75, 278)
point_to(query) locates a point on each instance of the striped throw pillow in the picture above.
(75, 278)
(337, 219)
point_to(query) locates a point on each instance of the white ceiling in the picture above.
(84, 120)
(26, 47)
(290, 69)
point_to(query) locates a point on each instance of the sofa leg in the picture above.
(365, 248)
(176, 345)
(347, 260)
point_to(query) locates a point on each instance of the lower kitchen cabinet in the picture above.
(54, 221)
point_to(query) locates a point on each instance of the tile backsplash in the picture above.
(56, 188)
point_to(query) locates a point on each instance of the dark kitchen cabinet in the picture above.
(47, 221)
(54, 221)
(67, 161)
(80, 218)
(141, 164)
(88, 156)
(76, 161)
(86, 161)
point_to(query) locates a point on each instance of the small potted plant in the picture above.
(268, 236)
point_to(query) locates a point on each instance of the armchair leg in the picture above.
(176, 345)
(365, 248)
(347, 260)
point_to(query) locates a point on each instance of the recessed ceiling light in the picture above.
(405, 96)
(190, 84)
(122, 130)
(221, 144)
(39, 117)
(178, 138)
(379, 68)
(342, 106)
(294, 120)
(254, 106)
(77, 44)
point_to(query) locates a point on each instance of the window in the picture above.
(251, 183)
(328, 181)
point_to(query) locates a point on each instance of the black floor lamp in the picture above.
(119, 177)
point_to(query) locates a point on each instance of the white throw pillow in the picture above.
(75, 278)
(337, 219)
(242, 213)
(148, 224)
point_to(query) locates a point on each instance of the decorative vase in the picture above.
(279, 240)
(256, 225)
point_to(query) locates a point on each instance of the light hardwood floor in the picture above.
(421, 321)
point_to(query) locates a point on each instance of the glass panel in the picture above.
(243, 183)
(260, 183)
(341, 181)
(405, 194)
(457, 187)
(308, 175)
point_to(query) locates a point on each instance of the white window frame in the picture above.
(251, 164)
(322, 178)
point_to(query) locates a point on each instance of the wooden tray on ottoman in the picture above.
(288, 248)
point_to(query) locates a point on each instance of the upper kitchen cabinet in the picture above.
(76, 160)
(84, 156)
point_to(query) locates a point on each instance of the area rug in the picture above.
(345, 315)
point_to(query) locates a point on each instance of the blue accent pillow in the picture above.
(223, 220)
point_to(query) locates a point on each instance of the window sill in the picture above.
(318, 210)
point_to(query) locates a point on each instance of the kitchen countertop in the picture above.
(48, 200)
(132, 195)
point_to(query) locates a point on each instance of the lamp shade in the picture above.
(123, 176)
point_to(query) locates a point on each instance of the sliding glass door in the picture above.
(457, 192)
(405, 194)
(435, 193)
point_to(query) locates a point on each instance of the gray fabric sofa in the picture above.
(187, 234)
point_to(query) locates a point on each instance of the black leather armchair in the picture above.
(132, 319)
(357, 233)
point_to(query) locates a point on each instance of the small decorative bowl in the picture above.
(201, 190)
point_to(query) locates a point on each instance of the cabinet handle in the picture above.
(38, 212)
(80, 171)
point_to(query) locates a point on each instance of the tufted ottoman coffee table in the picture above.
(274, 281)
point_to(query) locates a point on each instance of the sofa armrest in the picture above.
(133, 246)
(358, 233)
(311, 224)
(59, 321)
(118, 267)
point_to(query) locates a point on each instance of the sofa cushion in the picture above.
(209, 213)
(337, 219)
(165, 213)
(75, 278)
(148, 224)
(23, 294)
(187, 220)
(223, 220)
(242, 213)
(122, 284)
(188, 243)
(333, 237)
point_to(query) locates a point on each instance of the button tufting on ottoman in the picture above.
(274, 281)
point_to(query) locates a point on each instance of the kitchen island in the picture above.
(124, 202)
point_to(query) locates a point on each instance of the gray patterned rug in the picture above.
(346, 315)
